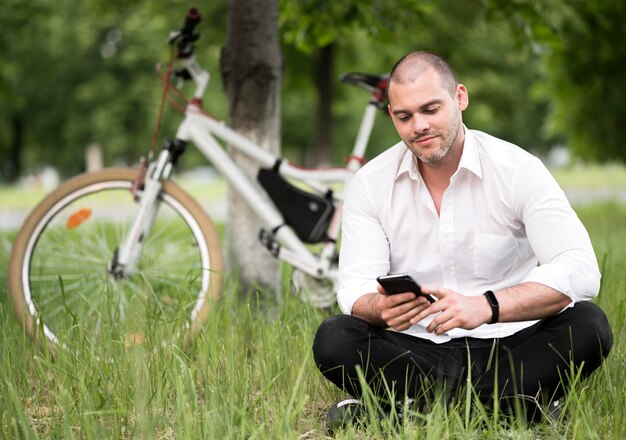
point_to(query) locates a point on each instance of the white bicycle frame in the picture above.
(203, 131)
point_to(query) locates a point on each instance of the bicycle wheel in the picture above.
(59, 276)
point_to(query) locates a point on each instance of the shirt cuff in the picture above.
(348, 295)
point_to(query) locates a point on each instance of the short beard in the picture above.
(434, 160)
(438, 157)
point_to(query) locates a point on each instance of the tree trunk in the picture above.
(251, 66)
(12, 164)
(321, 152)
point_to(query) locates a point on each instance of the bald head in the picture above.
(412, 65)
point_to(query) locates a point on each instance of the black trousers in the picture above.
(535, 362)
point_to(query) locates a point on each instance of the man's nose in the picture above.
(420, 123)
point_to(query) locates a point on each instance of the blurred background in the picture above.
(78, 78)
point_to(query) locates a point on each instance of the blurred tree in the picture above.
(580, 45)
(251, 66)
(21, 75)
(586, 73)
(501, 74)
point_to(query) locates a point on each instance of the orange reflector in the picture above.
(78, 218)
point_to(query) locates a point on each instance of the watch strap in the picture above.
(495, 306)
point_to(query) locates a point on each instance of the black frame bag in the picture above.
(308, 214)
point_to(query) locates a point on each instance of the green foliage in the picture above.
(580, 45)
(587, 80)
(309, 24)
(76, 74)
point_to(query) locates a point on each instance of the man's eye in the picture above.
(403, 118)
(431, 110)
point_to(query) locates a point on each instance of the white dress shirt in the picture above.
(503, 221)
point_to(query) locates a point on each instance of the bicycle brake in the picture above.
(182, 73)
(140, 178)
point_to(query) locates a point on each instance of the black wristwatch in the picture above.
(495, 307)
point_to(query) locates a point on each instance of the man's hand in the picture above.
(395, 311)
(457, 311)
(398, 310)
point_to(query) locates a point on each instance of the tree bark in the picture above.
(251, 66)
(321, 152)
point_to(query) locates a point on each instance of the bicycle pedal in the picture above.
(267, 240)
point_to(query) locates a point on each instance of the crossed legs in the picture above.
(533, 362)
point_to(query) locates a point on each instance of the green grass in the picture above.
(20, 197)
(591, 176)
(250, 374)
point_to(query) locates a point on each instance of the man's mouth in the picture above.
(424, 139)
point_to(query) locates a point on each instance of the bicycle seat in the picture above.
(377, 84)
(368, 82)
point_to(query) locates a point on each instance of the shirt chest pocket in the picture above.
(493, 255)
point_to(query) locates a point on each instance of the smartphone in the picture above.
(400, 283)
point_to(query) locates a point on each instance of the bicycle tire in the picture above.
(58, 270)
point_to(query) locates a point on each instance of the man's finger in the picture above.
(435, 291)
(433, 308)
(398, 298)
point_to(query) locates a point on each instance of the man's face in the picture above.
(427, 117)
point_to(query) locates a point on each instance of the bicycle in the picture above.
(129, 255)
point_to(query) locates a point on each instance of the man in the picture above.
(485, 229)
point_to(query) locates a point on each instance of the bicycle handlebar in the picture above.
(185, 37)
(191, 20)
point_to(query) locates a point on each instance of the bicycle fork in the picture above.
(126, 256)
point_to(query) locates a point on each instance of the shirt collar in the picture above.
(470, 159)
(407, 164)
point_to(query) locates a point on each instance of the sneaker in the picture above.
(552, 414)
(344, 413)
(556, 412)
(349, 411)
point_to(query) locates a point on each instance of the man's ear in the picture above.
(389, 109)
(462, 97)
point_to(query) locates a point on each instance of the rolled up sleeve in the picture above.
(558, 238)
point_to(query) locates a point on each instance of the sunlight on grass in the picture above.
(591, 176)
(18, 196)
